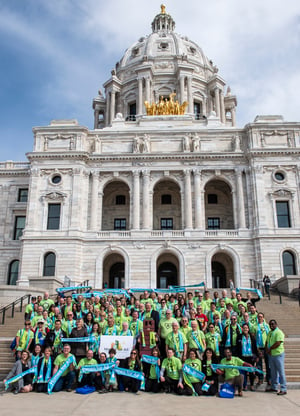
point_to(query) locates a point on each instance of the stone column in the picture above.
(222, 107)
(188, 200)
(107, 109)
(96, 119)
(190, 95)
(146, 202)
(100, 209)
(181, 89)
(112, 107)
(94, 201)
(140, 96)
(76, 205)
(233, 117)
(240, 199)
(148, 95)
(217, 101)
(197, 190)
(136, 200)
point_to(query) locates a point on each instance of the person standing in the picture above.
(275, 351)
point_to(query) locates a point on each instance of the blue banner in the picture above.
(215, 367)
(67, 289)
(79, 339)
(130, 373)
(140, 289)
(257, 291)
(94, 369)
(190, 371)
(19, 376)
(61, 370)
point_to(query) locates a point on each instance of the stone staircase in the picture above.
(286, 314)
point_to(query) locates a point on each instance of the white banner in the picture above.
(122, 344)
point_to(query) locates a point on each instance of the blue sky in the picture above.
(55, 55)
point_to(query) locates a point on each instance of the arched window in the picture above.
(288, 261)
(13, 272)
(49, 264)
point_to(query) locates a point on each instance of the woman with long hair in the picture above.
(211, 378)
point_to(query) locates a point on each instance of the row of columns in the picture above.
(187, 202)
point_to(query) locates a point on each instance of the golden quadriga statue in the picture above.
(166, 107)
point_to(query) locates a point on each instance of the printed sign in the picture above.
(122, 344)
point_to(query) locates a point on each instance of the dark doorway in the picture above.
(218, 274)
(166, 275)
(117, 276)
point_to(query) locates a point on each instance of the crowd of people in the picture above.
(197, 342)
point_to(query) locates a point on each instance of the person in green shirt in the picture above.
(67, 378)
(232, 375)
(87, 379)
(24, 338)
(164, 328)
(171, 373)
(177, 340)
(196, 339)
(46, 301)
(275, 351)
(193, 384)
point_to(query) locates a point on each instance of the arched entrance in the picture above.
(166, 206)
(222, 270)
(114, 271)
(167, 271)
(218, 206)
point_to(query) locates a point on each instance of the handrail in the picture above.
(12, 305)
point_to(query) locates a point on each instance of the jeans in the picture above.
(65, 381)
(276, 364)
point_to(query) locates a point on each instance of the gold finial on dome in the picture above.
(163, 9)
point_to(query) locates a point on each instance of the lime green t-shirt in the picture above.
(274, 336)
(46, 303)
(196, 364)
(173, 341)
(86, 361)
(25, 337)
(211, 341)
(165, 326)
(199, 336)
(61, 359)
(136, 327)
(172, 366)
(232, 372)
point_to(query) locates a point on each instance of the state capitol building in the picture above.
(165, 190)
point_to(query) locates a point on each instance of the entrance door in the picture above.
(117, 276)
(218, 275)
(166, 275)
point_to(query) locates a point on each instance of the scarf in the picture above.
(153, 361)
(194, 335)
(19, 376)
(259, 334)
(40, 376)
(95, 369)
(57, 375)
(246, 347)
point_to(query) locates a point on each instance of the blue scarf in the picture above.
(259, 334)
(19, 376)
(195, 338)
(153, 361)
(94, 369)
(40, 376)
(130, 373)
(181, 346)
(215, 367)
(79, 339)
(246, 346)
(115, 330)
(57, 375)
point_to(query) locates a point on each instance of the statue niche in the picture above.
(166, 106)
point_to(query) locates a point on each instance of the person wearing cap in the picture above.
(40, 333)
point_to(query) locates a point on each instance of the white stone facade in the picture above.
(147, 201)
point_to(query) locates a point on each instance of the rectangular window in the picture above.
(53, 222)
(166, 199)
(212, 199)
(120, 224)
(19, 227)
(23, 195)
(213, 223)
(283, 214)
(166, 223)
(120, 199)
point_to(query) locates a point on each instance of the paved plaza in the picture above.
(118, 404)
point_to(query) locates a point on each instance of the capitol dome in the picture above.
(157, 65)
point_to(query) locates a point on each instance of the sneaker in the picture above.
(268, 390)
(252, 388)
(69, 390)
(240, 394)
(281, 393)
(137, 393)
(16, 391)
